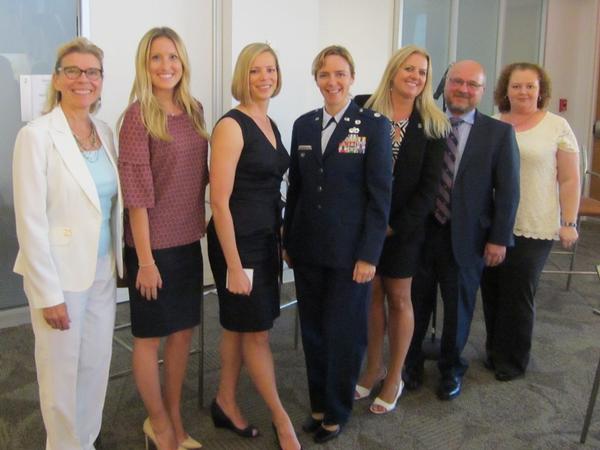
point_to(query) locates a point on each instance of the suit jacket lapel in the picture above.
(413, 140)
(315, 132)
(476, 136)
(67, 148)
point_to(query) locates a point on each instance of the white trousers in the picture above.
(73, 365)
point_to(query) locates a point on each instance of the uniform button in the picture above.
(318, 206)
(320, 170)
(319, 189)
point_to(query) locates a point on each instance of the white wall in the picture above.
(366, 29)
(571, 59)
(291, 28)
(298, 30)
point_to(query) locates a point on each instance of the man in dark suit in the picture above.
(471, 226)
(335, 222)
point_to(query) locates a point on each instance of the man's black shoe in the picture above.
(449, 387)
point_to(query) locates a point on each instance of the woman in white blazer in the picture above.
(68, 214)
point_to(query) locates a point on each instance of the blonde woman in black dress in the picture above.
(248, 161)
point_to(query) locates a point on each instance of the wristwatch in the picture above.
(568, 224)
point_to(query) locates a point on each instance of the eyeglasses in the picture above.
(74, 72)
(459, 82)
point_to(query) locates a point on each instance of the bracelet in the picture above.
(568, 224)
(141, 266)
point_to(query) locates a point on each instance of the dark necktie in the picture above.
(326, 133)
(331, 120)
(442, 202)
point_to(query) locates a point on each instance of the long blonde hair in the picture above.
(153, 117)
(77, 45)
(435, 122)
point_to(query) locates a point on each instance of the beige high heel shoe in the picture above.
(149, 435)
(190, 443)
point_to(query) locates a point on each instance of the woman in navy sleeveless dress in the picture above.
(247, 165)
(255, 210)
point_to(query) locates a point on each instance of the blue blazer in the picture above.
(338, 202)
(485, 194)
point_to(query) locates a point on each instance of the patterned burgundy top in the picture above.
(168, 178)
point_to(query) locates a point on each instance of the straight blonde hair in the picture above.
(152, 115)
(435, 122)
(240, 81)
(77, 45)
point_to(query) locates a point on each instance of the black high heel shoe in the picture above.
(221, 420)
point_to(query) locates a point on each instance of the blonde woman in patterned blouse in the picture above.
(548, 205)
(163, 169)
(404, 95)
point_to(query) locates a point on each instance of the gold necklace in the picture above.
(92, 140)
(90, 152)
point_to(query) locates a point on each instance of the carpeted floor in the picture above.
(544, 410)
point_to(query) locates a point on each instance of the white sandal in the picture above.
(387, 407)
(361, 392)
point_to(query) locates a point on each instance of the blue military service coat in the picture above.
(338, 200)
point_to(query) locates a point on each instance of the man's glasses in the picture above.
(459, 82)
(74, 72)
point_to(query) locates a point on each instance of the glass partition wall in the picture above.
(30, 32)
(493, 32)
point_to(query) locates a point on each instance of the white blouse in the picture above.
(538, 215)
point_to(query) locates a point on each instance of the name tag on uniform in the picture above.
(303, 149)
(353, 143)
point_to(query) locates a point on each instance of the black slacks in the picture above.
(508, 292)
(333, 319)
